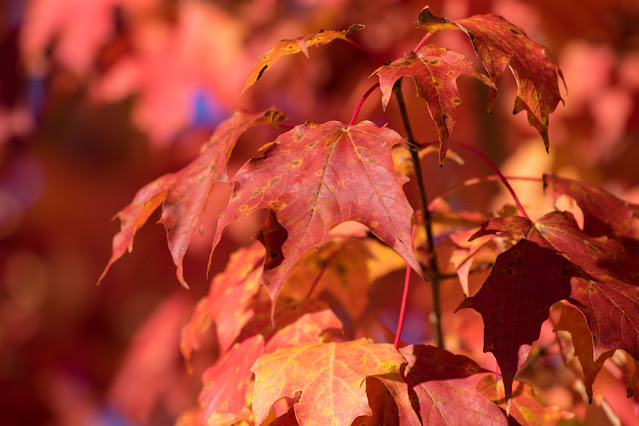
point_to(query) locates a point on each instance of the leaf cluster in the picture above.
(278, 308)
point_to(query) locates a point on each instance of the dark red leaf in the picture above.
(604, 214)
(557, 261)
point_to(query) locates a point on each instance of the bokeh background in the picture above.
(99, 97)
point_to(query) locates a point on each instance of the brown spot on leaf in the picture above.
(259, 75)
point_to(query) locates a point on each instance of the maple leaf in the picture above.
(464, 253)
(295, 322)
(228, 302)
(183, 195)
(556, 261)
(513, 302)
(292, 46)
(444, 387)
(313, 178)
(498, 44)
(435, 71)
(574, 322)
(223, 397)
(388, 397)
(330, 377)
(345, 267)
(526, 407)
(604, 214)
(306, 329)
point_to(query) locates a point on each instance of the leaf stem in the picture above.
(422, 41)
(365, 50)
(361, 102)
(474, 181)
(433, 270)
(402, 310)
(321, 273)
(492, 166)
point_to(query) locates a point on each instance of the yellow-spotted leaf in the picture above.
(331, 378)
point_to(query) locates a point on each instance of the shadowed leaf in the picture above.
(557, 261)
(444, 388)
(604, 214)
(574, 322)
(526, 407)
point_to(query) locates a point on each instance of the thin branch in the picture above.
(433, 270)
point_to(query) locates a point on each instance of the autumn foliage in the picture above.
(283, 359)
(363, 299)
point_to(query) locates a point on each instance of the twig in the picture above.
(433, 270)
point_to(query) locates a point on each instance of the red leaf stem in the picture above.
(402, 309)
(492, 166)
(361, 102)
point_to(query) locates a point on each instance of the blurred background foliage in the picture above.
(99, 97)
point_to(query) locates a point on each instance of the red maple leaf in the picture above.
(604, 214)
(445, 388)
(223, 397)
(499, 43)
(313, 178)
(183, 195)
(435, 71)
(227, 304)
(556, 261)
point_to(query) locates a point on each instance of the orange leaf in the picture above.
(223, 397)
(291, 46)
(574, 322)
(344, 267)
(526, 407)
(330, 376)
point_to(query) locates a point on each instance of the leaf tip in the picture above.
(425, 17)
